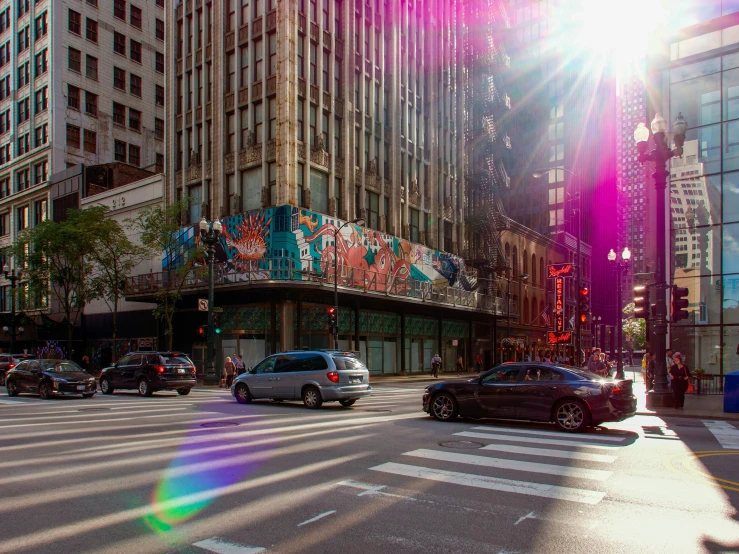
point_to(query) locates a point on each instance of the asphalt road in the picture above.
(201, 473)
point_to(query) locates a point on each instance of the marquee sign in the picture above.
(560, 270)
(559, 304)
(559, 338)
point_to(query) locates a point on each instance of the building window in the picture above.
(73, 97)
(39, 172)
(135, 85)
(41, 135)
(23, 180)
(91, 67)
(42, 99)
(23, 75)
(372, 204)
(4, 53)
(22, 218)
(75, 22)
(301, 119)
(39, 212)
(119, 43)
(92, 30)
(4, 122)
(136, 17)
(134, 119)
(24, 110)
(41, 25)
(42, 62)
(119, 9)
(413, 225)
(75, 60)
(73, 136)
(159, 128)
(24, 144)
(258, 59)
(5, 189)
(258, 121)
(159, 62)
(119, 114)
(159, 95)
(4, 231)
(135, 51)
(23, 39)
(134, 155)
(5, 86)
(91, 141)
(5, 153)
(119, 78)
(120, 151)
(272, 106)
(159, 29)
(91, 103)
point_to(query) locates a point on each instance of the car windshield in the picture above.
(582, 374)
(59, 366)
(347, 362)
(171, 359)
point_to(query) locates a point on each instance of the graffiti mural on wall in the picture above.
(264, 241)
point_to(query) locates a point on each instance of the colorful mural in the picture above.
(265, 243)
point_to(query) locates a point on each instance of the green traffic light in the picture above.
(218, 330)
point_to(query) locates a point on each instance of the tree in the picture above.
(113, 258)
(161, 234)
(56, 261)
(635, 330)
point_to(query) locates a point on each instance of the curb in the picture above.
(724, 416)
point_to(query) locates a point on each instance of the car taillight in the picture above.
(616, 390)
(333, 376)
(159, 368)
(11, 366)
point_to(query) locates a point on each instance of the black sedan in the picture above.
(572, 398)
(49, 378)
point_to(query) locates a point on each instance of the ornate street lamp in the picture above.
(210, 234)
(620, 266)
(660, 396)
(13, 330)
(335, 330)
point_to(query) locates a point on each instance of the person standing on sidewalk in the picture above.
(680, 379)
(668, 365)
(238, 364)
(435, 365)
(229, 369)
(478, 363)
(593, 361)
(460, 364)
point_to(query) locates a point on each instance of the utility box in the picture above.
(731, 392)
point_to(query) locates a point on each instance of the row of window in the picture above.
(75, 134)
(22, 216)
(23, 178)
(40, 137)
(74, 63)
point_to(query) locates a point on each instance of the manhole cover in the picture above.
(212, 424)
(469, 445)
(376, 410)
(93, 409)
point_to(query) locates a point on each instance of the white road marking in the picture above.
(12, 402)
(514, 465)
(319, 516)
(368, 488)
(221, 546)
(544, 432)
(566, 454)
(530, 515)
(493, 483)
(726, 434)
(534, 440)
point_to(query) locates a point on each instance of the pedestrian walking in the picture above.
(478, 363)
(229, 369)
(668, 365)
(86, 363)
(435, 365)
(238, 364)
(680, 380)
(594, 359)
(243, 365)
(460, 364)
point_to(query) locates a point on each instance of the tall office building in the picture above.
(81, 82)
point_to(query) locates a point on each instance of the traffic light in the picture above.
(202, 330)
(331, 318)
(217, 323)
(679, 303)
(641, 303)
(584, 306)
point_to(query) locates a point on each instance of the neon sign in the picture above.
(560, 270)
(559, 304)
(559, 338)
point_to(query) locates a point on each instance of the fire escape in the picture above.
(486, 143)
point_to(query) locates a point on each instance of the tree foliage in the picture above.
(634, 330)
(160, 228)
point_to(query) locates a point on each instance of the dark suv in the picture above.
(149, 372)
(9, 361)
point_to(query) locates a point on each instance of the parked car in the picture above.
(572, 398)
(313, 376)
(49, 378)
(9, 361)
(149, 372)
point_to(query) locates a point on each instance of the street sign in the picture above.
(644, 276)
(455, 342)
(217, 310)
(202, 305)
(559, 304)
(559, 338)
(560, 270)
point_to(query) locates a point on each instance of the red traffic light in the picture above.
(584, 291)
(583, 318)
(201, 330)
(331, 311)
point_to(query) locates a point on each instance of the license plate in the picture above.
(355, 380)
(80, 387)
(180, 370)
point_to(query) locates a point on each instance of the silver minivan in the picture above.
(313, 376)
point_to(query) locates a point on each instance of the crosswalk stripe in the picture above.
(221, 546)
(551, 453)
(493, 483)
(589, 436)
(535, 440)
(725, 433)
(515, 465)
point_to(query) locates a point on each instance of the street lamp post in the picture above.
(620, 266)
(597, 331)
(660, 396)
(357, 221)
(522, 277)
(210, 234)
(578, 220)
(13, 277)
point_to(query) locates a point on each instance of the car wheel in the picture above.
(145, 388)
(44, 391)
(312, 398)
(571, 416)
(183, 392)
(243, 396)
(10, 386)
(347, 403)
(105, 386)
(89, 395)
(444, 407)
